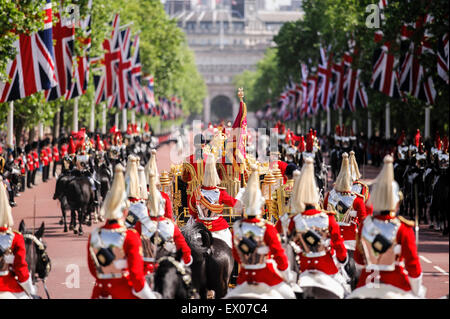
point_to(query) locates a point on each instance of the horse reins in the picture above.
(41, 248)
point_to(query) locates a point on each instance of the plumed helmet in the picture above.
(151, 166)
(211, 178)
(252, 198)
(305, 191)
(132, 177)
(143, 192)
(344, 180)
(6, 219)
(155, 203)
(115, 201)
(354, 169)
(385, 194)
(71, 150)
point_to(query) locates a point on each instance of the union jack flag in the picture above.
(136, 94)
(304, 107)
(149, 96)
(81, 73)
(384, 77)
(100, 88)
(63, 36)
(111, 56)
(33, 68)
(325, 72)
(443, 58)
(123, 67)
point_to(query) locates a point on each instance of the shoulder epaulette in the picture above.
(360, 195)
(407, 222)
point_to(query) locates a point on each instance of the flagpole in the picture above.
(427, 122)
(10, 139)
(92, 120)
(103, 118)
(75, 115)
(116, 120)
(387, 132)
(124, 119)
(354, 126)
(340, 117)
(41, 130)
(328, 121)
(369, 125)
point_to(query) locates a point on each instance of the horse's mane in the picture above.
(190, 233)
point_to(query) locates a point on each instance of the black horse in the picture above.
(439, 203)
(60, 195)
(173, 280)
(80, 197)
(212, 260)
(39, 264)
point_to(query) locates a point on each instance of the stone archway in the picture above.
(221, 109)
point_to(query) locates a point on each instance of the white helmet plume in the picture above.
(115, 200)
(132, 179)
(385, 194)
(305, 190)
(6, 219)
(344, 180)
(211, 178)
(143, 192)
(252, 199)
(155, 203)
(354, 170)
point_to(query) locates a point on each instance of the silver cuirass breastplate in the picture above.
(111, 240)
(342, 204)
(312, 234)
(357, 188)
(249, 240)
(6, 256)
(164, 241)
(136, 212)
(379, 243)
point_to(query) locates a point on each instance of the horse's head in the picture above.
(39, 263)
(173, 279)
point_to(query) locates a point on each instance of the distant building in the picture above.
(229, 37)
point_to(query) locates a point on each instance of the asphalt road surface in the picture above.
(70, 277)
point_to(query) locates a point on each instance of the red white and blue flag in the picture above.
(325, 72)
(33, 68)
(443, 58)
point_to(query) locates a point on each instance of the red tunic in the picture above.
(121, 288)
(48, 150)
(212, 225)
(30, 163)
(178, 239)
(324, 263)
(397, 277)
(267, 275)
(36, 160)
(55, 153)
(64, 148)
(44, 157)
(19, 268)
(349, 232)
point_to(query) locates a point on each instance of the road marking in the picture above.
(440, 269)
(425, 259)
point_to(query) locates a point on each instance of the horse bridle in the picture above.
(43, 255)
(181, 270)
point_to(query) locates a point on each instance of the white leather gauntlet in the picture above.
(145, 293)
(28, 286)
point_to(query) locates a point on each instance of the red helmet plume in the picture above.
(301, 145)
(309, 142)
(99, 145)
(417, 138)
(401, 139)
(71, 149)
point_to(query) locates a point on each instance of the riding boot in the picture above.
(234, 274)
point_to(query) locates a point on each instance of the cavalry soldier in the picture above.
(115, 252)
(349, 206)
(206, 204)
(317, 234)
(358, 186)
(30, 165)
(160, 236)
(192, 170)
(15, 279)
(386, 246)
(264, 266)
(152, 167)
